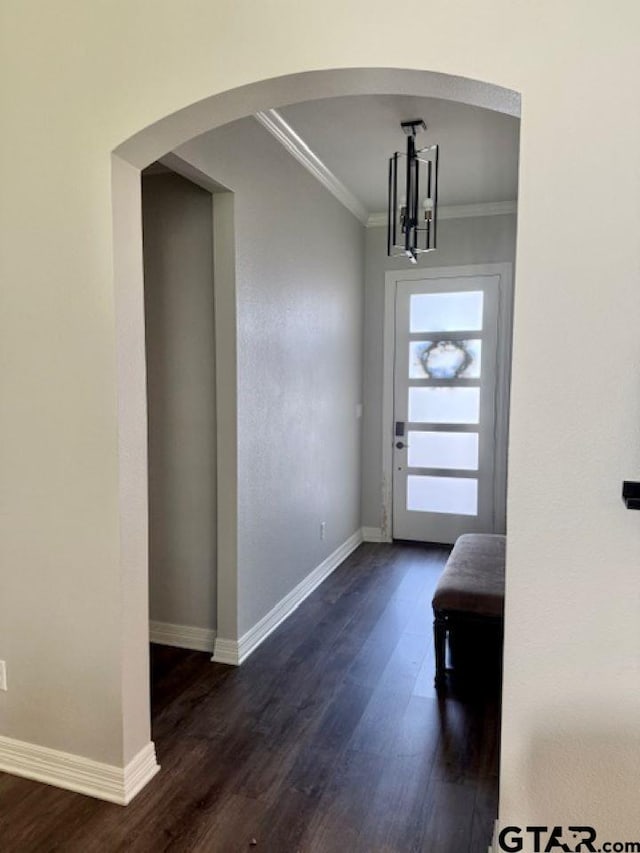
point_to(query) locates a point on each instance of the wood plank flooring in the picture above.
(329, 738)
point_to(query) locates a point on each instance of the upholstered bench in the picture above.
(470, 590)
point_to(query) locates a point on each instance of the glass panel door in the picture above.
(444, 407)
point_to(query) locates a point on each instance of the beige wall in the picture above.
(76, 80)
(180, 343)
(299, 296)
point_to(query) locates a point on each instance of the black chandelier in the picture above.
(413, 197)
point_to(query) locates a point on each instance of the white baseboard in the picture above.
(75, 773)
(182, 636)
(140, 770)
(372, 534)
(235, 652)
(226, 651)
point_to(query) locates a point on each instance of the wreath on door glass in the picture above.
(445, 359)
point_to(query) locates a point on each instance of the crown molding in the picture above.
(298, 148)
(457, 211)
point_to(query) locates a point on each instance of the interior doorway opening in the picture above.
(233, 587)
(181, 404)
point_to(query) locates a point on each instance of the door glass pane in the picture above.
(446, 312)
(453, 495)
(443, 450)
(444, 359)
(448, 405)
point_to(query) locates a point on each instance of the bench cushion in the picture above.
(473, 578)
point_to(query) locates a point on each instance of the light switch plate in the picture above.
(3, 675)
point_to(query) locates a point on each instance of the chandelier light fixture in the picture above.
(413, 197)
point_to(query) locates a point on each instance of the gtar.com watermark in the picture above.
(568, 839)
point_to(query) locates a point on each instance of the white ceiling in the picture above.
(355, 136)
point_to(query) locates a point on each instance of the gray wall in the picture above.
(179, 318)
(486, 239)
(299, 283)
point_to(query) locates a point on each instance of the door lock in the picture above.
(400, 445)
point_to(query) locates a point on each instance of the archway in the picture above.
(128, 159)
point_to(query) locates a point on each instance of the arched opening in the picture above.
(151, 144)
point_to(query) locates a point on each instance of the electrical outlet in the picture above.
(323, 529)
(3, 675)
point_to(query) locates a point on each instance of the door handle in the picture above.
(400, 445)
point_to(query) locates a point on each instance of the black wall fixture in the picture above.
(631, 494)
(413, 197)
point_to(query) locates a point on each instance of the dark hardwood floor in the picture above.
(329, 738)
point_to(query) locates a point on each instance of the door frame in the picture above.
(503, 379)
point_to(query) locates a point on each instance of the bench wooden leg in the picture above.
(440, 646)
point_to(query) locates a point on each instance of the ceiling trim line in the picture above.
(298, 148)
(457, 211)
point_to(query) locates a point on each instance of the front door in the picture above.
(445, 407)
